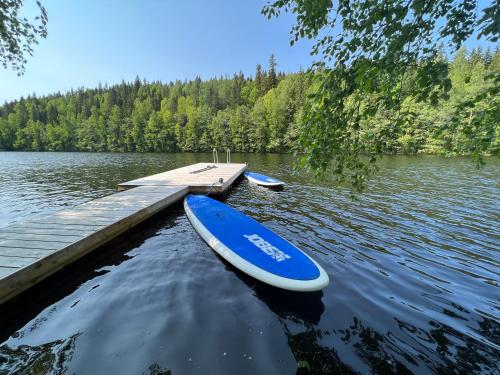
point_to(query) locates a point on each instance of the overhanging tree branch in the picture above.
(18, 35)
(369, 56)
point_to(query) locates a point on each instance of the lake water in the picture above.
(413, 263)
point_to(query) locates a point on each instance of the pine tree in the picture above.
(271, 76)
(260, 78)
(488, 57)
(115, 130)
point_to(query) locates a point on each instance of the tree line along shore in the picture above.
(261, 113)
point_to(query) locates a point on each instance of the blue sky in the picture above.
(106, 41)
(96, 41)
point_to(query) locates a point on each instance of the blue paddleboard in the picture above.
(253, 248)
(263, 180)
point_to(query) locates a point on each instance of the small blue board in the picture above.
(253, 248)
(263, 180)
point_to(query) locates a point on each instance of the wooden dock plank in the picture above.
(24, 253)
(21, 244)
(68, 221)
(6, 271)
(93, 215)
(17, 262)
(121, 203)
(43, 237)
(45, 231)
(32, 227)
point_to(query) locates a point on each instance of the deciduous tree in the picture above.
(19, 35)
(368, 48)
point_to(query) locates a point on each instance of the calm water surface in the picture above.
(414, 268)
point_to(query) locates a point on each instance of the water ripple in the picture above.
(414, 264)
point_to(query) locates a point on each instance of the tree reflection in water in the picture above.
(302, 310)
(155, 369)
(437, 348)
(461, 351)
(50, 358)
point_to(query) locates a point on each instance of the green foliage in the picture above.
(220, 130)
(374, 55)
(179, 116)
(18, 35)
(239, 125)
(200, 115)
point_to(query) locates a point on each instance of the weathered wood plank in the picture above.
(102, 211)
(119, 203)
(95, 222)
(72, 227)
(53, 245)
(91, 215)
(39, 237)
(46, 231)
(24, 253)
(133, 193)
(17, 262)
(6, 271)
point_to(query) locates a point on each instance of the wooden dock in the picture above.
(34, 249)
(201, 178)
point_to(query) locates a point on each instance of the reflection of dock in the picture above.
(34, 249)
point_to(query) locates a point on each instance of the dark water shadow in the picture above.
(298, 311)
(265, 188)
(274, 188)
(304, 306)
(18, 311)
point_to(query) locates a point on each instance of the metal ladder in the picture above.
(216, 156)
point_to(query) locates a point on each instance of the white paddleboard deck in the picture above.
(263, 180)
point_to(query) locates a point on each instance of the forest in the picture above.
(260, 113)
